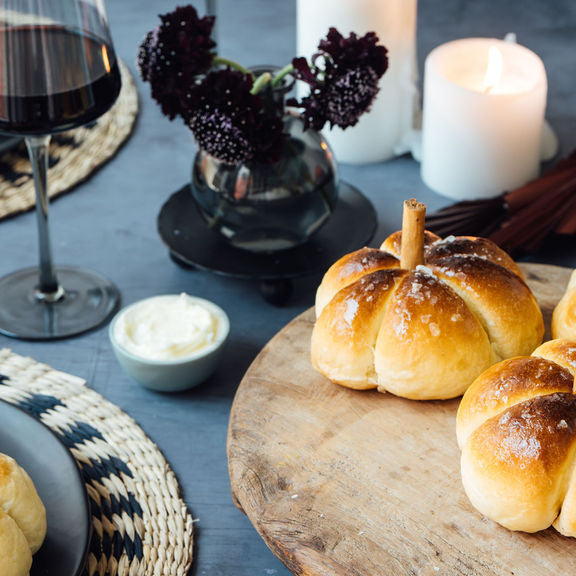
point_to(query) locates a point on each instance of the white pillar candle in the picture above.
(382, 133)
(482, 130)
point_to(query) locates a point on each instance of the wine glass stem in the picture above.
(48, 288)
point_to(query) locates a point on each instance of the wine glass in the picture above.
(58, 70)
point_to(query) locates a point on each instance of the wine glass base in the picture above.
(89, 300)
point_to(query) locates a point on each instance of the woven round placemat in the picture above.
(141, 525)
(74, 155)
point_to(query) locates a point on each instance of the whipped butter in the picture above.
(167, 327)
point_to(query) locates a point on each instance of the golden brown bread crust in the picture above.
(564, 315)
(345, 333)
(19, 499)
(393, 244)
(506, 384)
(436, 247)
(517, 466)
(350, 268)
(476, 298)
(472, 246)
(424, 309)
(15, 555)
(516, 426)
(562, 351)
(499, 298)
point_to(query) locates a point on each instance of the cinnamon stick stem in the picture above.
(413, 224)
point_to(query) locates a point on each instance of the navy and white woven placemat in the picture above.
(141, 525)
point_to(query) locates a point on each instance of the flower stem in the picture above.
(288, 69)
(260, 82)
(232, 64)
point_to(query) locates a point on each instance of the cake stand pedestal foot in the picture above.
(276, 292)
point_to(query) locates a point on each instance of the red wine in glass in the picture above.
(83, 83)
(58, 71)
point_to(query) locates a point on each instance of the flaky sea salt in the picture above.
(424, 270)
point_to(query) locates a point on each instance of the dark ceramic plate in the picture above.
(59, 484)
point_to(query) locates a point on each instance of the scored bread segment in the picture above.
(471, 246)
(345, 333)
(430, 345)
(350, 268)
(506, 384)
(500, 300)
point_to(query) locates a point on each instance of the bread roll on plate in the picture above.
(15, 555)
(19, 499)
(516, 426)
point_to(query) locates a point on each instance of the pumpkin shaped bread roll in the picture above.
(516, 426)
(424, 333)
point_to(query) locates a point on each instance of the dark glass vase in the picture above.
(269, 207)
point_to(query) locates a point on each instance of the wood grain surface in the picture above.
(355, 483)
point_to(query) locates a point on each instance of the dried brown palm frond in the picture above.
(520, 220)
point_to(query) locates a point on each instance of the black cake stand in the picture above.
(193, 244)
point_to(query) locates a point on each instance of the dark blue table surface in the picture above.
(109, 224)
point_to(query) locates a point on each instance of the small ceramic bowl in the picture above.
(181, 373)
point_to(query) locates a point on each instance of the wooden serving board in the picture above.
(349, 483)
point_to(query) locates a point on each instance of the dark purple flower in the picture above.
(173, 55)
(147, 55)
(227, 119)
(354, 52)
(229, 122)
(345, 86)
(350, 95)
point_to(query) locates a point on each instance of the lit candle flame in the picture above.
(105, 59)
(494, 70)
